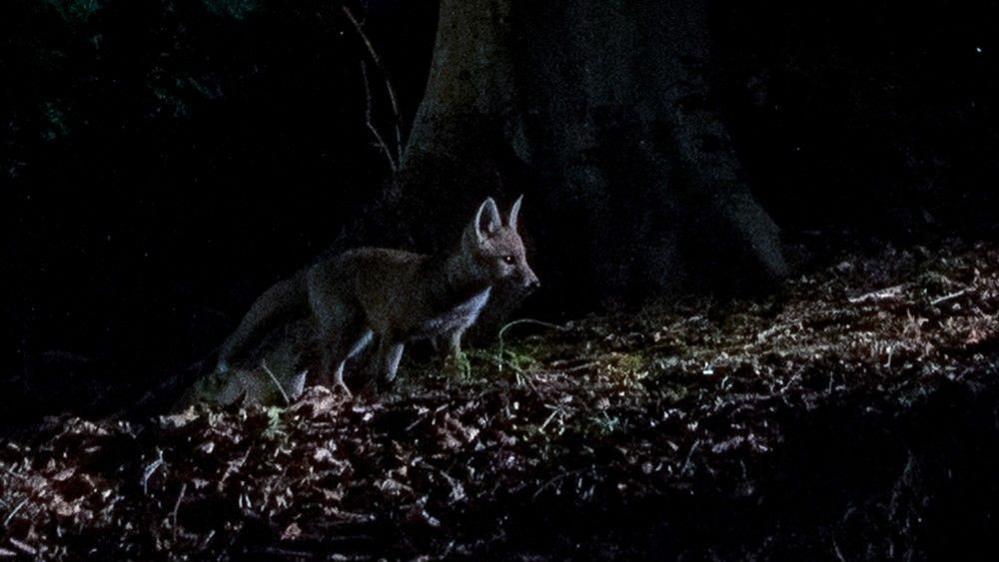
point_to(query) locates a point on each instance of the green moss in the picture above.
(55, 122)
(76, 10)
(237, 9)
(275, 423)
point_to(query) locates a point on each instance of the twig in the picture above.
(580, 367)
(23, 546)
(557, 478)
(503, 330)
(276, 552)
(690, 456)
(16, 475)
(952, 296)
(274, 379)
(880, 294)
(837, 551)
(176, 508)
(525, 380)
(14, 511)
(393, 165)
(150, 470)
(532, 321)
(388, 83)
(762, 336)
(555, 412)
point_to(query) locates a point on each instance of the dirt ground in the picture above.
(852, 417)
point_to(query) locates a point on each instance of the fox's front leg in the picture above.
(454, 345)
(454, 359)
(389, 354)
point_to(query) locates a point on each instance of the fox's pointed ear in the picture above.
(514, 211)
(487, 219)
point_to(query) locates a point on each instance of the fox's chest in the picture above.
(460, 316)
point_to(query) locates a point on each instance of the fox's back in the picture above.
(404, 292)
(377, 268)
(380, 280)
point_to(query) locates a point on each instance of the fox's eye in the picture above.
(508, 259)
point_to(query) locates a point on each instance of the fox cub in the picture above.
(391, 297)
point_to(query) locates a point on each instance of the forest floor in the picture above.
(851, 417)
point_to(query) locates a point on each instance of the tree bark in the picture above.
(601, 111)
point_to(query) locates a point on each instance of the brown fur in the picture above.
(391, 296)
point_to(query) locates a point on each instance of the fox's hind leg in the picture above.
(339, 347)
(389, 354)
(341, 334)
(359, 345)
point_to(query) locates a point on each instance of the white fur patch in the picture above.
(461, 316)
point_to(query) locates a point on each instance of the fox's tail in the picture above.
(160, 398)
(276, 305)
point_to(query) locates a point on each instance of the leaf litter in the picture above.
(692, 397)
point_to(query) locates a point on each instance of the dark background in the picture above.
(163, 162)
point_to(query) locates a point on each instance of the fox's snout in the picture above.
(531, 280)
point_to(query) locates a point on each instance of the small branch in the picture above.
(556, 411)
(533, 322)
(150, 470)
(837, 551)
(176, 508)
(879, 295)
(23, 547)
(559, 477)
(274, 379)
(503, 330)
(14, 511)
(385, 77)
(762, 336)
(278, 553)
(370, 124)
(687, 464)
(952, 296)
(580, 367)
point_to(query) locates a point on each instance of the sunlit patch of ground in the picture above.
(697, 399)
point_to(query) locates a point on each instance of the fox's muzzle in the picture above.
(531, 281)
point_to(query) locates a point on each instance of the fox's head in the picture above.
(495, 248)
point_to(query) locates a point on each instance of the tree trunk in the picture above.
(600, 111)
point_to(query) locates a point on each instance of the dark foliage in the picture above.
(164, 160)
(877, 114)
